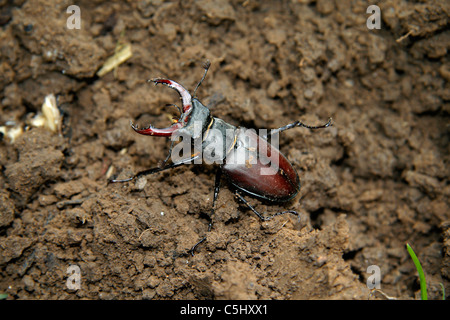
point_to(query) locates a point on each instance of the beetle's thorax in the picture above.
(218, 140)
(211, 132)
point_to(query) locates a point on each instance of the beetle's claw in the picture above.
(136, 127)
(160, 80)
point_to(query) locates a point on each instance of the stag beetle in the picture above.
(238, 154)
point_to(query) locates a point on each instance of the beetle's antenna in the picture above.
(206, 66)
(174, 105)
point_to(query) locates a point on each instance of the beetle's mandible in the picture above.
(236, 142)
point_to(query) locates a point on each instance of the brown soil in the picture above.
(376, 180)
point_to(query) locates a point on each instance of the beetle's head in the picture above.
(192, 111)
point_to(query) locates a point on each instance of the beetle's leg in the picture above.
(163, 163)
(297, 124)
(157, 169)
(216, 194)
(263, 218)
(216, 189)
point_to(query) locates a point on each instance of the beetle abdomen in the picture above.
(260, 169)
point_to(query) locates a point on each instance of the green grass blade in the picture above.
(443, 291)
(423, 283)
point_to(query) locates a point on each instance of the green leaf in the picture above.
(423, 283)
